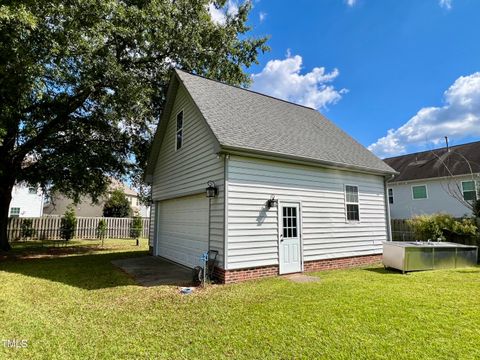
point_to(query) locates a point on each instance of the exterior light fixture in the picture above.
(272, 202)
(211, 189)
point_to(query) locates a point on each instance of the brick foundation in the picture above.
(238, 275)
(341, 263)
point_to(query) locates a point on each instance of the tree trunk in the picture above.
(5, 198)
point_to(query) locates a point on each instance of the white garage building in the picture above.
(329, 207)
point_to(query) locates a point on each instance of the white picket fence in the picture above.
(48, 228)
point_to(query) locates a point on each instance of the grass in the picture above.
(76, 305)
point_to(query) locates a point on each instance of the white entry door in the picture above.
(290, 251)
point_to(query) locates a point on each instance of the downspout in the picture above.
(225, 213)
(209, 221)
(387, 207)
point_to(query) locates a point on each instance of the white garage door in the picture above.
(183, 229)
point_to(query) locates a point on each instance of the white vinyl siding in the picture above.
(253, 230)
(186, 171)
(440, 198)
(30, 204)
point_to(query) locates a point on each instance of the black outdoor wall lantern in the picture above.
(211, 189)
(272, 202)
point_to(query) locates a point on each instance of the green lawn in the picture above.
(79, 306)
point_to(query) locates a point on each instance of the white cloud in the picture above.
(351, 2)
(446, 4)
(262, 16)
(219, 16)
(459, 118)
(282, 79)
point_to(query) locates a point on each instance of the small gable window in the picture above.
(419, 192)
(469, 190)
(179, 132)
(351, 200)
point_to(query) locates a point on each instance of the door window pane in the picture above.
(289, 221)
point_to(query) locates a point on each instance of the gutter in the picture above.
(301, 160)
(387, 207)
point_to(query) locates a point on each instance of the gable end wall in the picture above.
(186, 171)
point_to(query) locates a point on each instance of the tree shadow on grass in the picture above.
(88, 271)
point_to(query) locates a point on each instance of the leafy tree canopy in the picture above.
(82, 84)
(117, 205)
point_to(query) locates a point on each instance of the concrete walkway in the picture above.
(152, 271)
(301, 278)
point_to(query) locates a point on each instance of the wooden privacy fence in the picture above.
(401, 231)
(48, 228)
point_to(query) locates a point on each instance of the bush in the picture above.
(26, 229)
(136, 227)
(69, 224)
(438, 226)
(117, 205)
(476, 208)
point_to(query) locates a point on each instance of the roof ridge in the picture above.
(248, 90)
(426, 151)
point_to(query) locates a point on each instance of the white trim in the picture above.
(299, 230)
(292, 159)
(155, 228)
(181, 129)
(405, 182)
(426, 191)
(351, 203)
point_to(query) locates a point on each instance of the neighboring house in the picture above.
(27, 201)
(57, 204)
(329, 207)
(441, 180)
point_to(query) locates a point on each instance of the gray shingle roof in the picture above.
(457, 160)
(250, 121)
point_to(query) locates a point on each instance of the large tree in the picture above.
(117, 205)
(82, 84)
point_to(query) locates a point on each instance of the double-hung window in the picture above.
(469, 190)
(351, 200)
(14, 212)
(179, 132)
(390, 196)
(419, 192)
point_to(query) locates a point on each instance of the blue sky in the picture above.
(407, 66)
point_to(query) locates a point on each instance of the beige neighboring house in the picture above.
(57, 204)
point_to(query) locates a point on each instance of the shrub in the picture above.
(136, 227)
(26, 229)
(69, 224)
(117, 205)
(476, 208)
(435, 226)
(102, 229)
